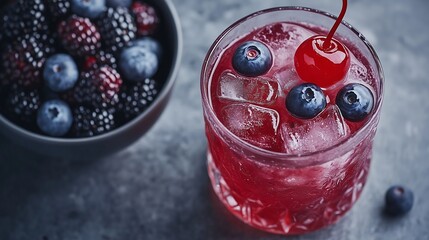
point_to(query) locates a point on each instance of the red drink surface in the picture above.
(273, 196)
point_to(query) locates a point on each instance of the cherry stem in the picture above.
(334, 28)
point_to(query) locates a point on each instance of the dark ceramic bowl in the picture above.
(170, 36)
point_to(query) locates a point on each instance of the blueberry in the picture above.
(118, 3)
(149, 43)
(138, 63)
(60, 72)
(252, 59)
(399, 200)
(355, 102)
(54, 118)
(88, 8)
(305, 101)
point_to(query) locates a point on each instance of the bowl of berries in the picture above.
(85, 77)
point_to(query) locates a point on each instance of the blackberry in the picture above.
(79, 36)
(24, 17)
(23, 61)
(47, 39)
(90, 122)
(59, 9)
(100, 59)
(98, 88)
(136, 98)
(117, 28)
(146, 18)
(21, 105)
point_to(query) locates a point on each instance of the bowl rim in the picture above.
(165, 91)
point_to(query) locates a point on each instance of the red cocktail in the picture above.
(287, 154)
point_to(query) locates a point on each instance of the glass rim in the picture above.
(297, 159)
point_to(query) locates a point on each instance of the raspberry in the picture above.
(59, 9)
(23, 61)
(100, 59)
(98, 88)
(146, 18)
(117, 28)
(90, 122)
(21, 105)
(79, 36)
(136, 98)
(23, 17)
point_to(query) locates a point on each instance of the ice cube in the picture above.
(283, 38)
(242, 89)
(254, 124)
(358, 72)
(315, 134)
(283, 35)
(287, 78)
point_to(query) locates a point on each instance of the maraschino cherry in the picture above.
(323, 60)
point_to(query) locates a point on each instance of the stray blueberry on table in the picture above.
(399, 200)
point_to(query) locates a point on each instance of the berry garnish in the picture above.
(305, 101)
(60, 72)
(146, 18)
(79, 36)
(321, 59)
(59, 9)
(117, 28)
(149, 43)
(98, 88)
(355, 101)
(22, 104)
(138, 63)
(252, 59)
(399, 200)
(321, 66)
(118, 3)
(54, 118)
(23, 61)
(88, 8)
(137, 97)
(89, 121)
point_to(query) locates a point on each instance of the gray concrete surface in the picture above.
(158, 188)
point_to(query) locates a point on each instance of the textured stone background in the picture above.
(158, 188)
